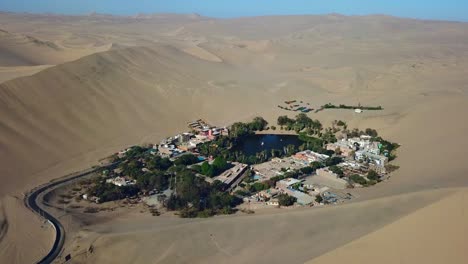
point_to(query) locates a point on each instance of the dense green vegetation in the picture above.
(310, 131)
(337, 170)
(361, 180)
(156, 180)
(342, 106)
(239, 129)
(372, 175)
(110, 192)
(358, 179)
(217, 167)
(193, 196)
(333, 161)
(286, 200)
(301, 123)
(197, 198)
(311, 143)
(259, 186)
(187, 159)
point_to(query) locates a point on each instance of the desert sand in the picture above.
(76, 89)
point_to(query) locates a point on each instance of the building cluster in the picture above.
(201, 132)
(277, 167)
(361, 154)
(361, 149)
(304, 193)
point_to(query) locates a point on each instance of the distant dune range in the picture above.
(76, 89)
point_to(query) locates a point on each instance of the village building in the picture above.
(121, 181)
(285, 186)
(342, 146)
(378, 160)
(286, 183)
(268, 194)
(302, 198)
(184, 138)
(379, 169)
(309, 156)
(327, 173)
(232, 177)
(273, 202)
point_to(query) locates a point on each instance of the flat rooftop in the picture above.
(230, 175)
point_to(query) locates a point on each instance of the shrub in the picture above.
(91, 210)
(242, 193)
(247, 211)
(372, 175)
(358, 179)
(286, 200)
(258, 186)
(318, 198)
(154, 212)
(206, 213)
(337, 170)
(188, 213)
(307, 170)
(333, 161)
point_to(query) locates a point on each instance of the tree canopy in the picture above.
(286, 200)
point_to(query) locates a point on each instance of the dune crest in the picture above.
(201, 53)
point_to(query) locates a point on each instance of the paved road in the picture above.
(31, 202)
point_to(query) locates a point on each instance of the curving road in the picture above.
(31, 202)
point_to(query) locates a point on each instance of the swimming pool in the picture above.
(256, 177)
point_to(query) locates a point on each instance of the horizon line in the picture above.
(134, 16)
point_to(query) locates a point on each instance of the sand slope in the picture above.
(23, 50)
(291, 236)
(23, 55)
(435, 234)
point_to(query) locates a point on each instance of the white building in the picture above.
(327, 173)
(379, 160)
(310, 156)
(284, 184)
(121, 181)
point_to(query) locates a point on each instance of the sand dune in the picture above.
(23, 55)
(165, 70)
(23, 50)
(202, 54)
(435, 234)
(9, 73)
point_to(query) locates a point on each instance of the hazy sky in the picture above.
(432, 9)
